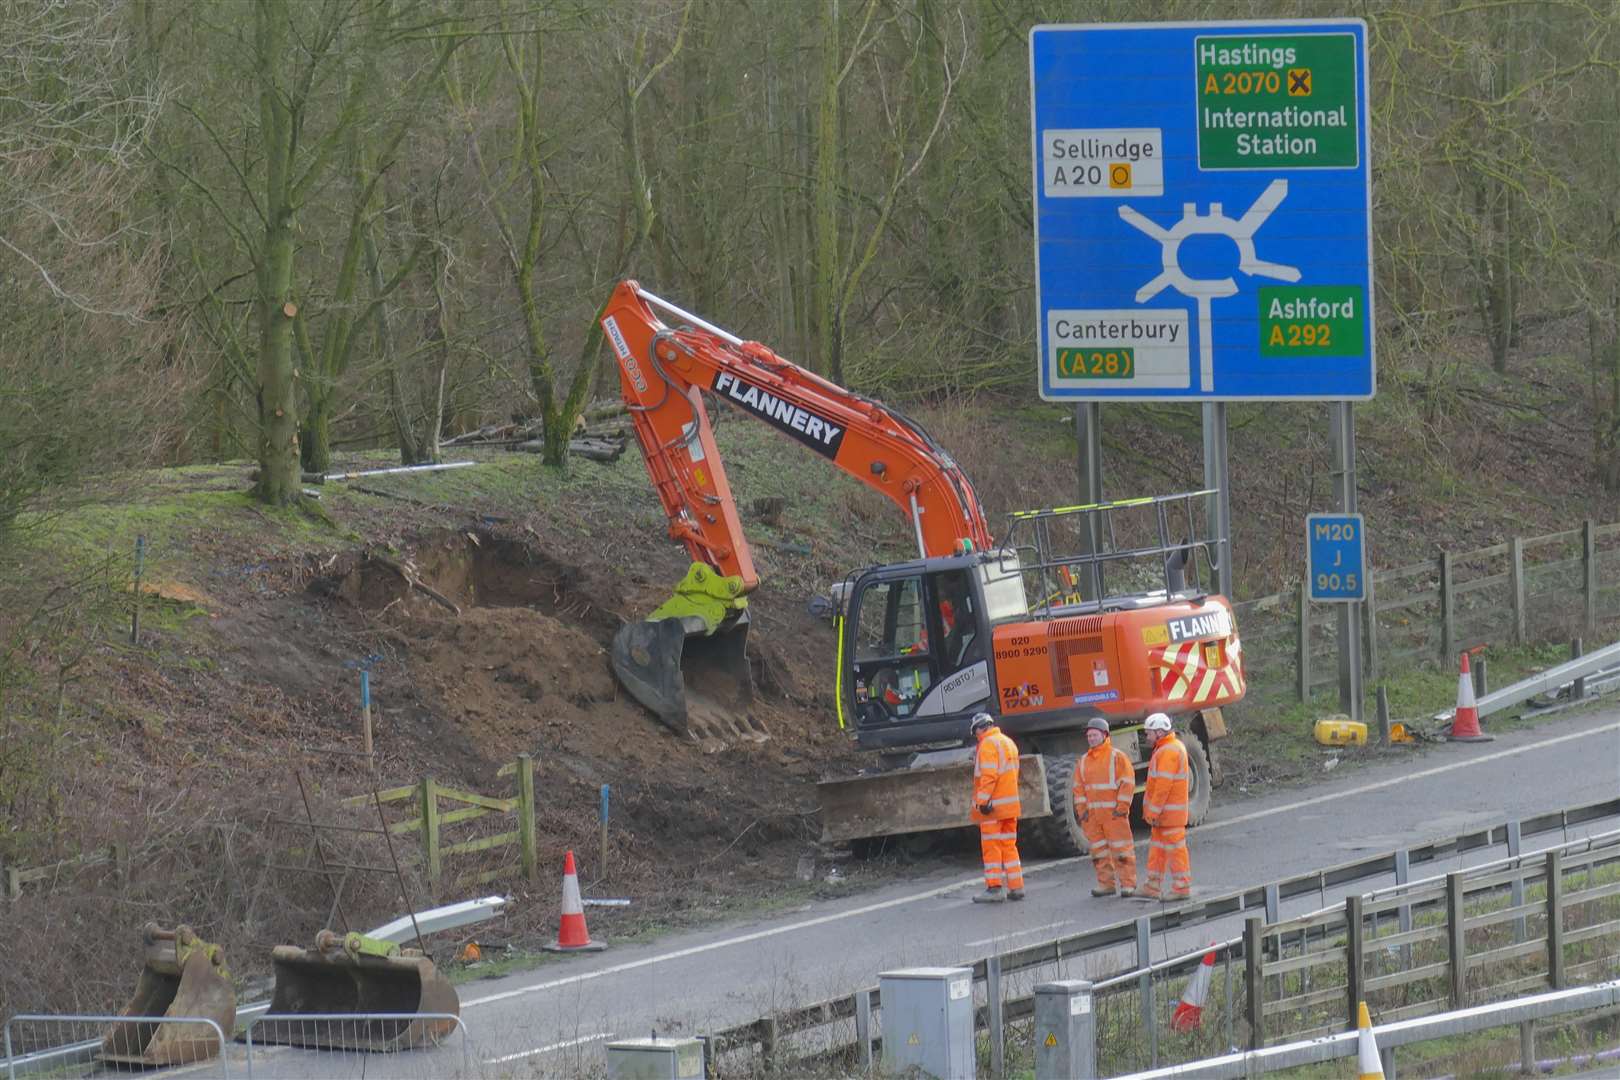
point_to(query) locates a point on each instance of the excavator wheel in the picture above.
(1058, 834)
(1201, 788)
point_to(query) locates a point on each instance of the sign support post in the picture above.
(1218, 476)
(1088, 433)
(1342, 424)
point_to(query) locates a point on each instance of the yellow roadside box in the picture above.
(1340, 730)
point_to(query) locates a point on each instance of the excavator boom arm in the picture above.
(663, 373)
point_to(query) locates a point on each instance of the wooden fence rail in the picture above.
(430, 822)
(1437, 946)
(1436, 608)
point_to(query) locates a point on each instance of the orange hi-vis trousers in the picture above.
(998, 843)
(1168, 847)
(1112, 851)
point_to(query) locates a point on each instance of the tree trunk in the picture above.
(827, 172)
(316, 444)
(278, 406)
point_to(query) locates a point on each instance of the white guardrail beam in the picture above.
(1551, 679)
(1404, 1033)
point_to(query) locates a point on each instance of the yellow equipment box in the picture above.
(1340, 731)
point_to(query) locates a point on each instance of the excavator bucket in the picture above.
(183, 976)
(351, 973)
(688, 661)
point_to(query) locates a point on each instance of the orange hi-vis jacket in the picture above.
(1165, 802)
(995, 778)
(1105, 781)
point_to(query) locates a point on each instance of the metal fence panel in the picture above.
(344, 1045)
(72, 1045)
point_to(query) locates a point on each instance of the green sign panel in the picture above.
(1312, 320)
(1277, 101)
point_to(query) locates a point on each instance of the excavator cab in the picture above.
(914, 650)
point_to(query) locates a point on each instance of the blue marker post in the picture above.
(365, 714)
(602, 870)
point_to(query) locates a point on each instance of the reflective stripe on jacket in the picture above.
(1168, 774)
(1104, 780)
(995, 777)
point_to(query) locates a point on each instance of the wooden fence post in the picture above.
(1304, 661)
(1448, 626)
(1589, 570)
(1555, 920)
(1521, 618)
(430, 830)
(13, 883)
(1456, 951)
(526, 816)
(1354, 946)
(1251, 977)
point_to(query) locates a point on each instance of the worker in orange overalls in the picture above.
(1104, 782)
(1164, 807)
(996, 809)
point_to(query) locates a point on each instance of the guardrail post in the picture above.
(13, 883)
(1252, 970)
(1273, 903)
(992, 1001)
(1144, 961)
(1456, 951)
(1448, 624)
(1577, 689)
(1527, 1047)
(1521, 619)
(1481, 680)
(1371, 619)
(1354, 946)
(1303, 661)
(1555, 920)
(1589, 568)
(1383, 714)
(1516, 887)
(863, 1027)
(531, 866)
(766, 1031)
(430, 830)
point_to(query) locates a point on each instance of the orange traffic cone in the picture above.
(1465, 721)
(571, 933)
(1189, 1012)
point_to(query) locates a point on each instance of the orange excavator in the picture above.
(1079, 611)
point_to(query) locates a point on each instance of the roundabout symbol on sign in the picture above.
(1215, 223)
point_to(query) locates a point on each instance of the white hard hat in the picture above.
(981, 720)
(1157, 722)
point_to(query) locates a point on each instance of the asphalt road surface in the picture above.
(554, 1020)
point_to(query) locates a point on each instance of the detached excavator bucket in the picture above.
(688, 662)
(183, 976)
(351, 973)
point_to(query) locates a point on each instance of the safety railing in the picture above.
(47, 1045)
(403, 1045)
(1140, 1000)
(1523, 1012)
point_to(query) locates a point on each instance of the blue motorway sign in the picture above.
(1336, 556)
(1202, 205)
